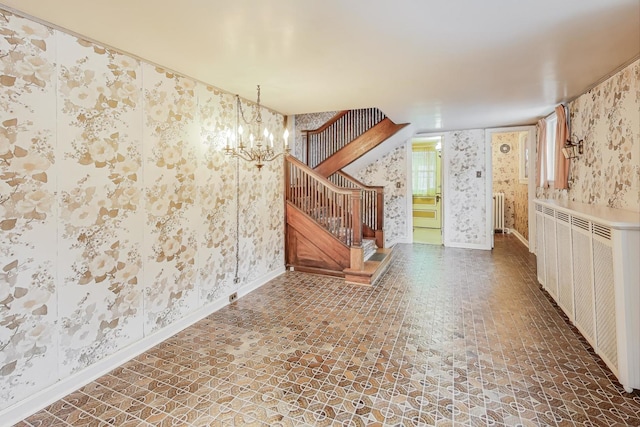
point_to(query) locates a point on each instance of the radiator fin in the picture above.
(498, 212)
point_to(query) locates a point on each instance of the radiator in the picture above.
(498, 212)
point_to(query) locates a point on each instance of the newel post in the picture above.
(356, 211)
(356, 250)
(380, 208)
(379, 231)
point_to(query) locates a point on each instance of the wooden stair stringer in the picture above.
(311, 248)
(359, 146)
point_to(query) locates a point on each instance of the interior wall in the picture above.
(117, 205)
(505, 177)
(607, 119)
(464, 195)
(391, 172)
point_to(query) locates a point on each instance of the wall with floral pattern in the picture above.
(506, 180)
(607, 119)
(117, 206)
(388, 171)
(465, 209)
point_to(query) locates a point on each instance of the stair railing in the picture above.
(338, 210)
(343, 128)
(372, 199)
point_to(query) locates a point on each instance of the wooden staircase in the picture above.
(335, 222)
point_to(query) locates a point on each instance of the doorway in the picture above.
(511, 181)
(426, 184)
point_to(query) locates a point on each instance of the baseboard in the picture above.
(43, 398)
(467, 246)
(520, 237)
(401, 240)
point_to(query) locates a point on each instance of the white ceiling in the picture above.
(441, 65)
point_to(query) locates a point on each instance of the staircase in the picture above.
(334, 222)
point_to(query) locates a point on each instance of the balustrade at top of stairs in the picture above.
(339, 131)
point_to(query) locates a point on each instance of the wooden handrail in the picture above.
(336, 209)
(317, 176)
(372, 199)
(359, 183)
(331, 121)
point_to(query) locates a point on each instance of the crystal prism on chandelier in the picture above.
(260, 147)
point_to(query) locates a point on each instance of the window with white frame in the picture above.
(550, 147)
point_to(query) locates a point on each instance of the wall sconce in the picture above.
(572, 150)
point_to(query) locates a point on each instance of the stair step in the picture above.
(372, 270)
(369, 248)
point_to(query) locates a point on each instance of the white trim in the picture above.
(409, 187)
(480, 246)
(409, 184)
(520, 237)
(488, 179)
(35, 402)
(406, 240)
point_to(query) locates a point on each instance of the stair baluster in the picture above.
(343, 128)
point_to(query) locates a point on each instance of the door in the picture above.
(427, 196)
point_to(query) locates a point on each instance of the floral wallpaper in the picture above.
(117, 205)
(387, 171)
(506, 180)
(465, 212)
(606, 117)
(28, 209)
(310, 121)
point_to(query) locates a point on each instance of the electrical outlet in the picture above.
(233, 297)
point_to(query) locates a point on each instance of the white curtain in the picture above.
(424, 172)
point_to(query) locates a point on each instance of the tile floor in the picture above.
(447, 337)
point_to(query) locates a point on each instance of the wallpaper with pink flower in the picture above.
(117, 203)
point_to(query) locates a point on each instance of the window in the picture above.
(424, 171)
(550, 148)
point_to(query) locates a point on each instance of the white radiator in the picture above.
(498, 212)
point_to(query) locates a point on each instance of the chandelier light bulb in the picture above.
(255, 151)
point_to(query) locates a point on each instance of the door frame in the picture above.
(531, 182)
(409, 183)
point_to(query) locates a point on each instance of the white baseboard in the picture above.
(43, 398)
(407, 240)
(467, 246)
(520, 237)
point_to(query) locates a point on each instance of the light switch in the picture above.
(478, 174)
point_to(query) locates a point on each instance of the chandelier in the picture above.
(259, 148)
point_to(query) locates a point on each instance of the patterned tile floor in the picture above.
(447, 337)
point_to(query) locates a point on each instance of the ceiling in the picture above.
(441, 65)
